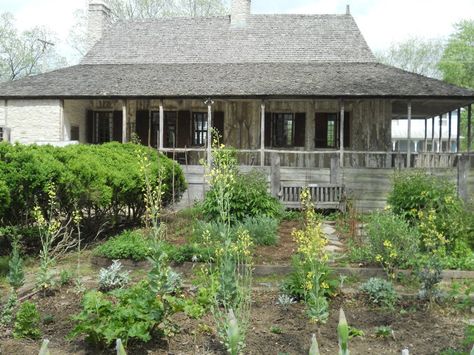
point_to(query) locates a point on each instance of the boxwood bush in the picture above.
(102, 180)
(127, 245)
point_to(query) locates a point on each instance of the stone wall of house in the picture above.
(34, 121)
(3, 112)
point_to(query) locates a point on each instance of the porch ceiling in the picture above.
(234, 80)
(427, 108)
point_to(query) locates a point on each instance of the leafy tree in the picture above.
(25, 53)
(457, 63)
(415, 55)
(144, 9)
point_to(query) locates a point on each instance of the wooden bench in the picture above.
(324, 196)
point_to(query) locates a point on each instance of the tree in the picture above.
(457, 63)
(415, 55)
(144, 9)
(26, 53)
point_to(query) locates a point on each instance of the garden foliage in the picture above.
(246, 196)
(380, 292)
(101, 180)
(27, 321)
(113, 277)
(127, 245)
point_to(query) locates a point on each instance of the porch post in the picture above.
(440, 141)
(449, 131)
(341, 134)
(458, 133)
(262, 133)
(209, 103)
(432, 134)
(162, 125)
(124, 121)
(425, 146)
(469, 128)
(409, 135)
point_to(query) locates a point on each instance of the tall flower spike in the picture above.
(314, 350)
(343, 334)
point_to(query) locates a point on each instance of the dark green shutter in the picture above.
(321, 130)
(117, 128)
(142, 126)
(218, 124)
(90, 126)
(268, 129)
(300, 128)
(184, 129)
(347, 130)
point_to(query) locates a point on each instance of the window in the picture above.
(199, 128)
(327, 131)
(283, 129)
(74, 133)
(103, 127)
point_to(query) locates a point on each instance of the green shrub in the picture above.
(27, 321)
(392, 241)
(127, 245)
(263, 230)
(101, 179)
(126, 314)
(16, 275)
(248, 197)
(380, 292)
(191, 252)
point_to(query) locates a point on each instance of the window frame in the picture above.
(199, 128)
(279, 130)
(100, 116)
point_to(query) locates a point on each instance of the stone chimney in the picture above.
(97, 22)
(348, 9)
(240, 12)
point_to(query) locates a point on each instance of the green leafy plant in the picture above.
(430, 276)
(16, 275)
(380, 292)
(276, 329)
(355, 333)
(27, 321)
(263, 230)
(7, 316)
(125, 314)
(392, 241)
(113, 277)
(65, 277)
(48, 319)
(383, 331)
(127, 245)
(285, 301)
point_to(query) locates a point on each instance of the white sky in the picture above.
(381, 21)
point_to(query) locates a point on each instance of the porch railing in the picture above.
(322, 158)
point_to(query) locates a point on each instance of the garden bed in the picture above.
(273, 330)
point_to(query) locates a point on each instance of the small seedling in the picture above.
(48, 319)
(276, 329)
(355, 333)
(383, 331)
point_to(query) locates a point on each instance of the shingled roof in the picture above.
(272, 56)
(264, 38)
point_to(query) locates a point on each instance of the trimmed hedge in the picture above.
(102, 181)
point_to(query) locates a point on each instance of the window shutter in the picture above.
(218, 124)
(142, 125)
(90, 126)
(117, 128)
(347, 130)
(184, 129)
(268, 129)
(300, 128)
(321, 130)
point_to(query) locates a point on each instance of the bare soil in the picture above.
(421, 329)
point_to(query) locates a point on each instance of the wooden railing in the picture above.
(325, 158)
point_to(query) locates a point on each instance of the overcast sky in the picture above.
(381, 21)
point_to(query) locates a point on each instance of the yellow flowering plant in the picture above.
(310, 261)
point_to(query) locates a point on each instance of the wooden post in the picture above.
(469, 128)
(463, 172)
(341, 134)
(334, 175)
(409, 135)
(449, 131)
(124, 121)
(209, 103)
(162, 125)
(432, 134)
(458, 133)
(61, 121)
(440, 138)
(275, 175)
(262, 134)
(425, 147)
